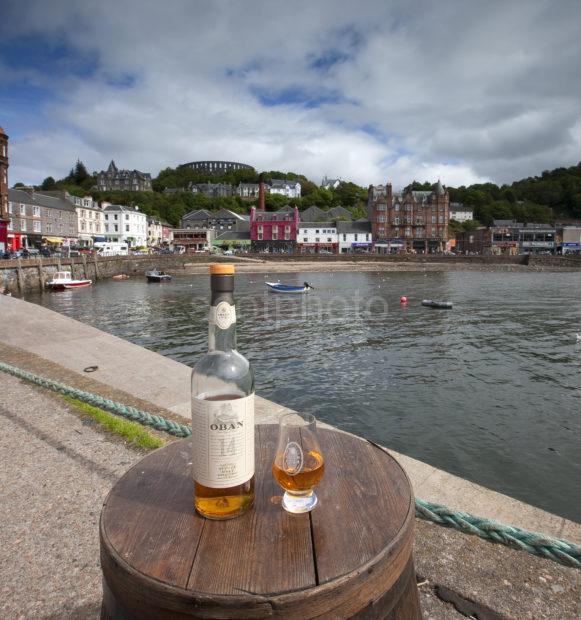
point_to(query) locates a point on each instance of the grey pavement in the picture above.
(55, 472)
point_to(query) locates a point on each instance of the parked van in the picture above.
(110, 248)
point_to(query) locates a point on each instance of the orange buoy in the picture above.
(403, 299)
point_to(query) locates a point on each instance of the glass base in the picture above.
(298, 504)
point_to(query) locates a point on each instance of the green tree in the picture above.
(49, 184)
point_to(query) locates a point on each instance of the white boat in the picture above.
(277, 287)
(63, 280)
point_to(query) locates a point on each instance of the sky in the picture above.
(372, 91)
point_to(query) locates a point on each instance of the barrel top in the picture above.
(149, 528)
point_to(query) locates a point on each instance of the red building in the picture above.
(274, 232)
(414, 221)
(4, 218)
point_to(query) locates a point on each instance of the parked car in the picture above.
(228, 252)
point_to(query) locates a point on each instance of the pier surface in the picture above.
(56, 471)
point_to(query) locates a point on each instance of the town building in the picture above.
(460, 212)
(330, 183)
(233, 240)
(154, 231)
(124, 180)
(216, 168)
(223, 219)
(125, 225)
(354, 237)
(317, 238)
(507, 237)
(91, 220)
(274, 232)
(414, 221)
(211, 190)
(4, 218)
(477, 241)
(571, 240)
(166, 233)
(290, 189)
(37, 219)
(194, 240)
(248, 191)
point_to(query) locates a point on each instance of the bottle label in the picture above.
(223, 315)
(223, 441)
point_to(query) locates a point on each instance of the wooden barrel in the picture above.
(351, 557)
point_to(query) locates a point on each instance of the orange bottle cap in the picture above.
(221, 269)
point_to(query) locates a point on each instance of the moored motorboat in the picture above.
(121, 276)
(62, 280)
(158, 276)
(277, 287)
(432, 303)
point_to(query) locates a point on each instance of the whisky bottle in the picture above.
(223, 411)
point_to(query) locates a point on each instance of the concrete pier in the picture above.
(464, 569)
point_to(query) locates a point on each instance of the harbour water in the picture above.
(490, 391)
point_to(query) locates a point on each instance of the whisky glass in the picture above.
(298, 463)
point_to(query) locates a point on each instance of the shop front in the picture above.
(388, 246)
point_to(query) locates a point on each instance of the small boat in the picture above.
(63, 280)
(121, 276)
(443, 305)
(277, 287)
(158, 276)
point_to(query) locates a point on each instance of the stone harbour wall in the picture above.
(23, 275)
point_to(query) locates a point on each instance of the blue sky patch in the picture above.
(294, 96)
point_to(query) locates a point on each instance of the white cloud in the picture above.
(465, 92)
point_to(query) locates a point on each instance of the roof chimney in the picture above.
(261, 198)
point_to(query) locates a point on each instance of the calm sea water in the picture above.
(490, 391)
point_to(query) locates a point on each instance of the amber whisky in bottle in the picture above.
(223, 411)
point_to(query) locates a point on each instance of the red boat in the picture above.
(63, 280)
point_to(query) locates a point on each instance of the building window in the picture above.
(36, 211)
(126, 216)
(36, 226)
(10, 207)
(305, 239)
(126, 227)
(317, 232)
(396, 221)
(344, 237)
(22, 209)
(116, 228)
(356, 237)
(329, 240)
(259, 236)
(115, 215)
(433, 219)
(317, 239)
(397, 207)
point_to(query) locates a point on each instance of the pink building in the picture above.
(274, 232)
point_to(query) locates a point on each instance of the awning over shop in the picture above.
(53, 239)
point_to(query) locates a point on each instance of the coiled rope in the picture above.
(557, 550)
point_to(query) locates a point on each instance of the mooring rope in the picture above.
(555, 549)
(131, 413)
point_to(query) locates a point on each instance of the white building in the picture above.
(317, 237)
(290, 189)
(154, 231)
(125, 225)
(461, 213)
(330, 183)
(354, 237)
